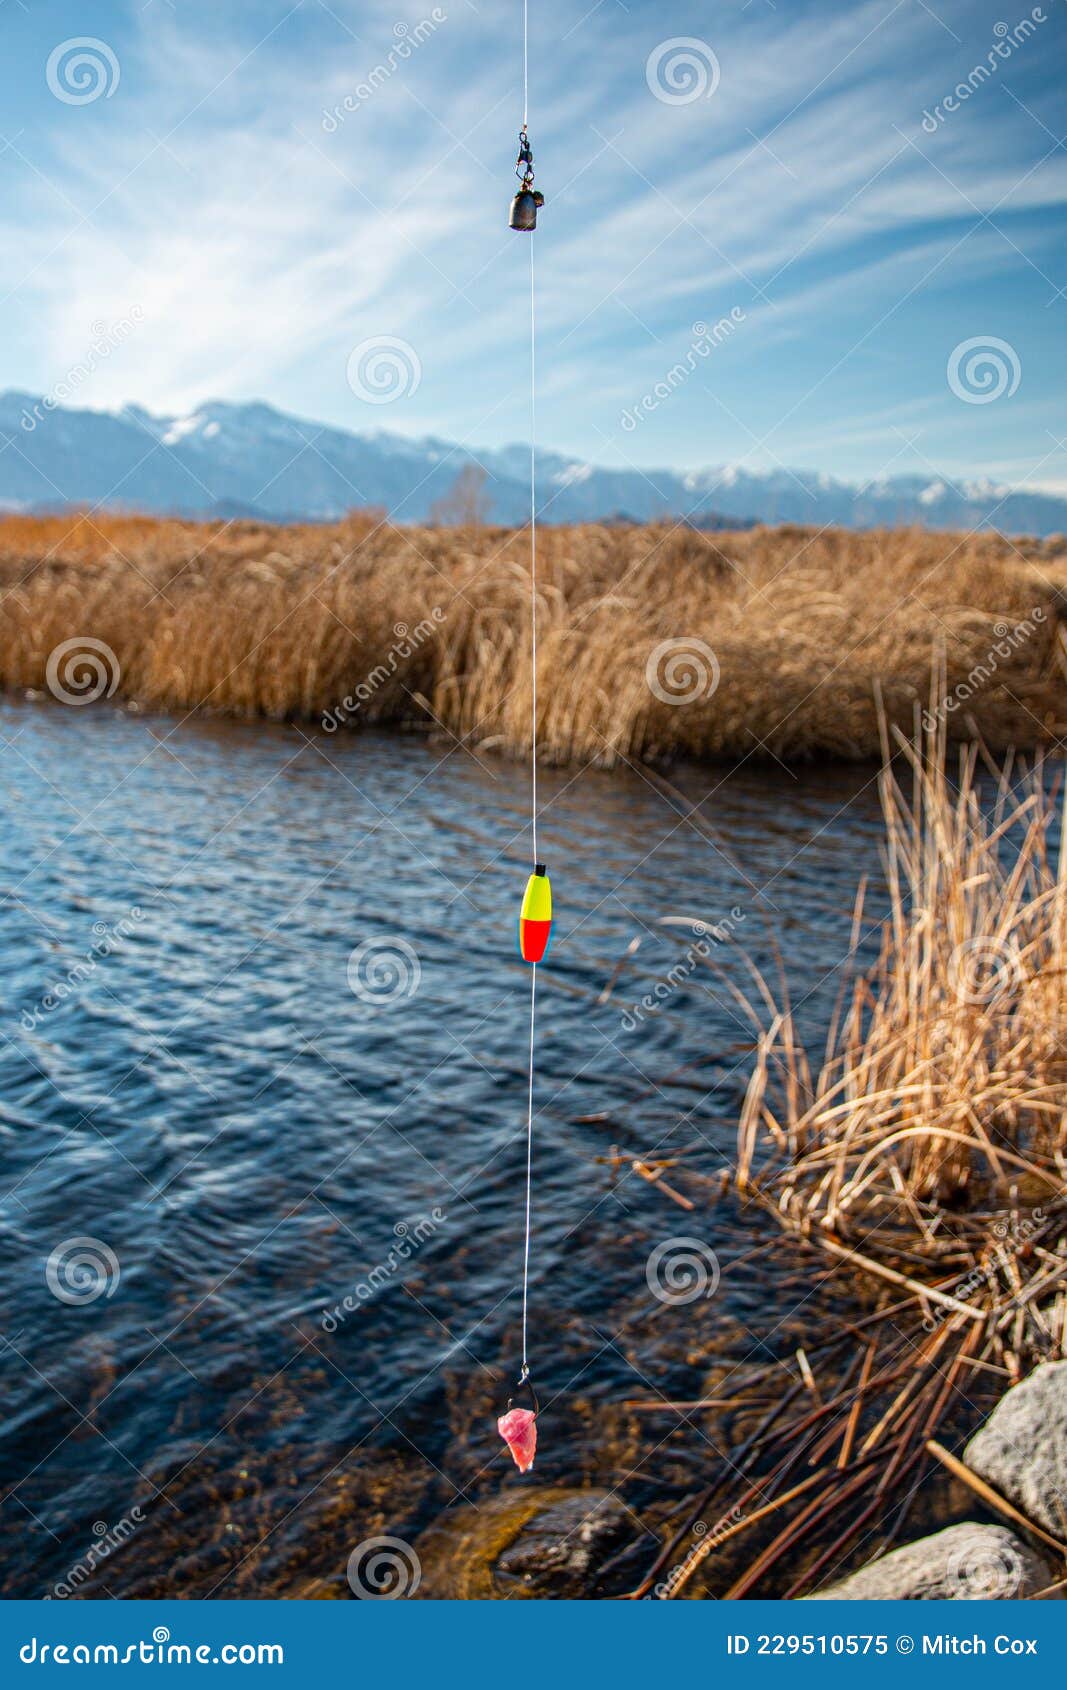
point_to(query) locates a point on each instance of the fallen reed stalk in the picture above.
(992, 1498)
(655, 642)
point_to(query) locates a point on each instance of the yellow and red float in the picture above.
(535, 917)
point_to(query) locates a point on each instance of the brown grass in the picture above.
(924, 1156)
(252, 620)
(941, 1099)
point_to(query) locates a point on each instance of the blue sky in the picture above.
(257, 240)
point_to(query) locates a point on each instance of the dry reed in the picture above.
(942, 1096)
(925, 1155)
(252, 620)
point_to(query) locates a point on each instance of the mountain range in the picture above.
(250, 460)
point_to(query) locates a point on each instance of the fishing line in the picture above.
(525, 61)
(533, 717)
(533, 767)
(525, 1374)
(517, 1426)
(533, 546)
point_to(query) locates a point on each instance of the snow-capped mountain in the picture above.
(252, 460)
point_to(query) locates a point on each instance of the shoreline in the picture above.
(658, 643)
(922, 1152)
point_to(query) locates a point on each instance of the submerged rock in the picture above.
(549, 1542)
(561, 1547)
(966, 1563)
(1022, 1448)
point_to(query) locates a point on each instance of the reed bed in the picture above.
(430, 628)
(925, 1156)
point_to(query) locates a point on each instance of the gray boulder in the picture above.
(963, 1563)
(1022, 1448)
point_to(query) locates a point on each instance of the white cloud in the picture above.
(262, 247)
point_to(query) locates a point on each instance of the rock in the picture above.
(963, 1563)
(528, 1542)
(1022, 1448)
(560, 1548)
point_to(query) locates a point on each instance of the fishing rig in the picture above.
(518, 1425)
(529, 200)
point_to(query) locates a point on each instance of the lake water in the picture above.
(210, 1140)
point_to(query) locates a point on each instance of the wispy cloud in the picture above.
(262, 243)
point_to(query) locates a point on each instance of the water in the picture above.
(189, 1083)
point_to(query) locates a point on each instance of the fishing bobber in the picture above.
(535, 917)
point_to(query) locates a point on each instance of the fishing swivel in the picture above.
(524, 206)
